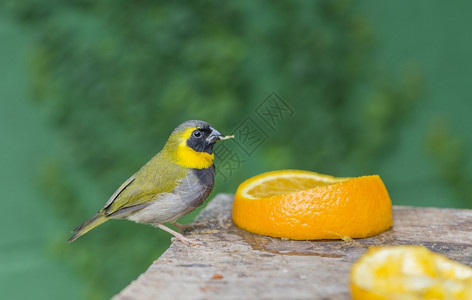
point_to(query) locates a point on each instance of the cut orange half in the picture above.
(409, 273)
(303, 205)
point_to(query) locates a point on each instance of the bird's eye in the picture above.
(197, 133)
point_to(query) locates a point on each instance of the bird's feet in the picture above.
(180, 237)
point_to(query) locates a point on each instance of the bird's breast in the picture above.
(197, 186)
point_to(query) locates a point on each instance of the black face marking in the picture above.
(198, 140)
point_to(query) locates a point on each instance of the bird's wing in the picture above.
(156, 177)
(119, 190)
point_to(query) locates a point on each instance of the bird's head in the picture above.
(191, 144)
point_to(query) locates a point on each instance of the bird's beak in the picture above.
(215, 136)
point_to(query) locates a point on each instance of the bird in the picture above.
(173, 183)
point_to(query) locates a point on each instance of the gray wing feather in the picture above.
(124, 212)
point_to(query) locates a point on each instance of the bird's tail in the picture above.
(90, 224)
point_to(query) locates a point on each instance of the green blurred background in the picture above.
(90, 90)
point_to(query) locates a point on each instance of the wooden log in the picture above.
(234, 264)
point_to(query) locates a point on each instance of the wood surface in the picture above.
(234, 264)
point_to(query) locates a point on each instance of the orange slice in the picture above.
(304, 205)
(410, 273)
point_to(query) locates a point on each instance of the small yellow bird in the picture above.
(172, 184)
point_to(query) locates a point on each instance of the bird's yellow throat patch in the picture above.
(189, 158)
